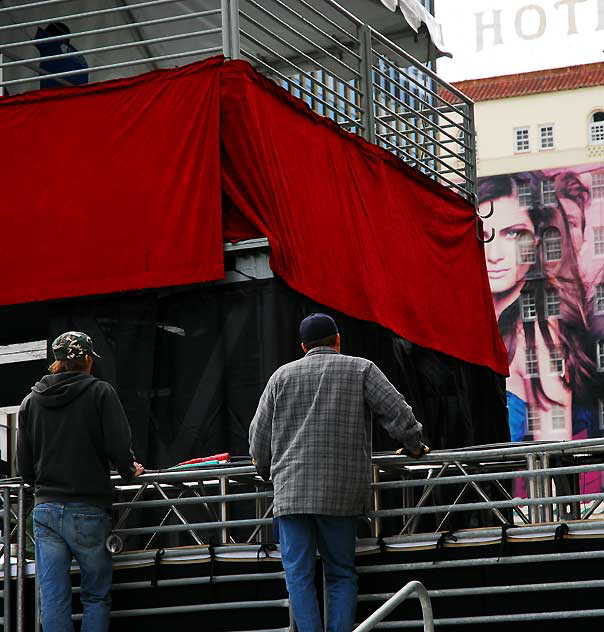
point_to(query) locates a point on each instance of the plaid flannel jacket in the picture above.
(312, 430)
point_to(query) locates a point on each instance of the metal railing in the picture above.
(225, 513)
(342, 68)
(393, 602)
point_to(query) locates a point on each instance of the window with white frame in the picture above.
(556, 361)
(599, 240)
(525, 194)
(552, 302)
(531, 363)
(600, 355)
(552, 244)
(526, 248)
(548, 192)
(546, 136)
(597, 185)
(558, 417)
(596, 129)
(599, 299)
(533, 418)
(601, 414)
(528, 306)
(521, 139)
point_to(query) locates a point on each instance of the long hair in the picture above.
(563, 276)
(66, 366)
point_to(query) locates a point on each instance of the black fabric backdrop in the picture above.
(190, 363)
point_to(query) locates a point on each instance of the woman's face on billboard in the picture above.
(512, 224)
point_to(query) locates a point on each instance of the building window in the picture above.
(548, 193)
(552, 302)
(596, 129)
(525, 195)
(601, 413)
(533, 418)
(528, 306)
(556, 362)
(552, 244)
(558, 417)
(526, 248)
(521, 139)
(597, 185)
(531, 362)
(599, 240)
(599, 299)
(546, 136)
(600, 355)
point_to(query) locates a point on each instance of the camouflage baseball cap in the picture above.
(73, 344)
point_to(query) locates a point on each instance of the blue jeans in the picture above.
(63, 531)
(334, 536)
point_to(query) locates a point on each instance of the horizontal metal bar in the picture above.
(198, 526)
(352, 18)
(466, 455)
(73, 16)
(190, 475)
(298, 69)
(297, 34)
(32, 5)
(411, 158)
(136, 62)
(339, 44)
(423, 133)
(422, 86)
(491, 476)
(196, 500)
(195, 581)
(493, 590)
(232, 605)
(417, 112)
(414, 62)
(103, 49)
(495, 504)
(483, 561)
(298, 86)
(118, 27)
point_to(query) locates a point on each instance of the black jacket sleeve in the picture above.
(25, 456)
(116, 432)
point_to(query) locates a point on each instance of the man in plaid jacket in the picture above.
(312, 434)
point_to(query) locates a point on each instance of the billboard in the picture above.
(546, 271)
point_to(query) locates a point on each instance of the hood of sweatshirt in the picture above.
(55, 391)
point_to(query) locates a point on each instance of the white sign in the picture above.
(500, 37)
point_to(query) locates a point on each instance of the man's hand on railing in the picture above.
(139, 469)
(423, 449)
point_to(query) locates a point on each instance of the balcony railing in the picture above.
(322, 53)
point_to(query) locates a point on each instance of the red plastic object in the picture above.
(225, 456)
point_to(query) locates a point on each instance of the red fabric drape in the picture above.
(353, 228)
(117, 186)
(113, 186)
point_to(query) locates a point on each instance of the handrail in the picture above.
(413, 587)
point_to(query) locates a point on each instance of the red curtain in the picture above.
(117, 186)
(113, 186)
(352, 227)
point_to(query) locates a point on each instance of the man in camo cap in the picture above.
(71, 427)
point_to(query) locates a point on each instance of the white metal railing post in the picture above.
(234, 28)
(366, 72)
(225, 16)
(413, 587)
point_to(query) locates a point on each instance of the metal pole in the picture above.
(224, 509)
(234, 29)
(376, 523)
(546, 486)
(225, 11)
(533, 488)
(21, 559)
(366, 70)
(7, 569)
